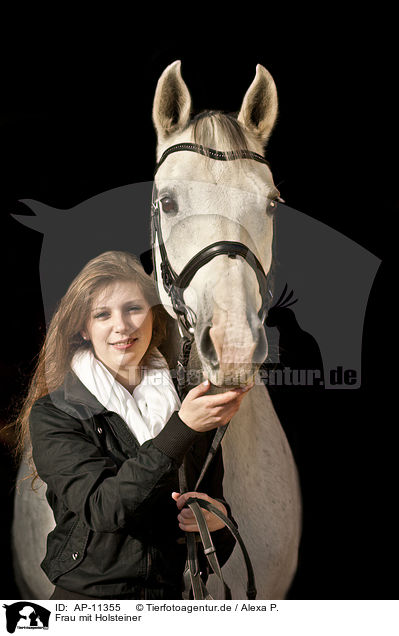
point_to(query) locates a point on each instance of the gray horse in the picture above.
(204, 201)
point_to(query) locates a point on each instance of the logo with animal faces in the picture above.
(26, 615)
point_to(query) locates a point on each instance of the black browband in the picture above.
(219, 155)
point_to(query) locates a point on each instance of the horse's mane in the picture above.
(214, 129)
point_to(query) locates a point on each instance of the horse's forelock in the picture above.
(218, 130)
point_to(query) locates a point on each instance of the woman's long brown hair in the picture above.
(64, 332)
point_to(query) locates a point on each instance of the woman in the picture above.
(108, 436)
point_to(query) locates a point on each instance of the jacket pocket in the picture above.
(69, 554)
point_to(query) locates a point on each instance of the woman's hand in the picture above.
(187, 521)
(205, 412)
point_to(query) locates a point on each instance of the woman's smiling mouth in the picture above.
(122, 345)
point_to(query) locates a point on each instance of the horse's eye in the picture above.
(272, 206)
(168, 204)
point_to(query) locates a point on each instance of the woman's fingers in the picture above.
(189, 523)
(199, 390)
(189, 528)
(212, 522)
(203, 412)
(186, 517)
(221, 399)
(181, 499)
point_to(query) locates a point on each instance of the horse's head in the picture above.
(203, 200)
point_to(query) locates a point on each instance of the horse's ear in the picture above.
(172, 103)
(259, 107)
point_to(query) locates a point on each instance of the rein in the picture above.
(175, 285)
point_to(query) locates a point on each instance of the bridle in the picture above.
(174, 285)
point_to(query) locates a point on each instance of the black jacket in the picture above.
(116, 533)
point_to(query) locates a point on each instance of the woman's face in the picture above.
(120, 330)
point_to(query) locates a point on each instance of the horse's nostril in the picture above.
(207, 349)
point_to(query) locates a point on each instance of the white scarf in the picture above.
(147, 410)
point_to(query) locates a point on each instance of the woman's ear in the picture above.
(84, 335)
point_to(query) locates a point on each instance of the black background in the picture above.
(76, 122)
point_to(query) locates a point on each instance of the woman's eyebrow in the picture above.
(126, 302)
(100, 307)
(134, 300)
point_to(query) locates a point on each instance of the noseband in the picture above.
(176, 284)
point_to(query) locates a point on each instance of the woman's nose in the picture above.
(122, 324)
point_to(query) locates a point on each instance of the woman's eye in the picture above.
(102, 314)
(169, 205)
(135, 308)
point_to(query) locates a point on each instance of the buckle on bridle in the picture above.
(210, 550)
(166, 277)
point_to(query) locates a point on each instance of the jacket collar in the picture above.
(76, 392)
